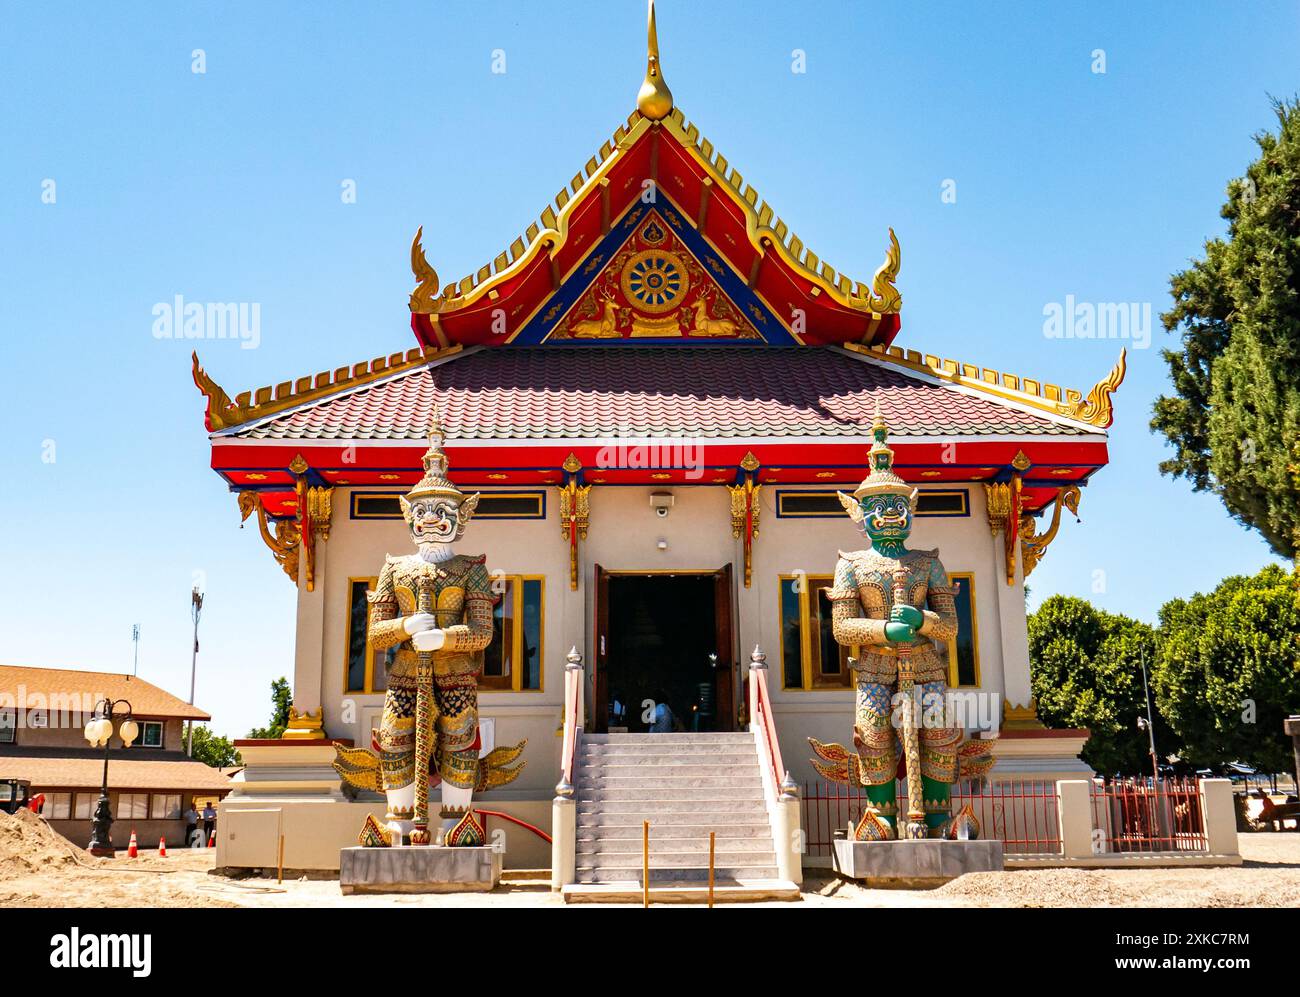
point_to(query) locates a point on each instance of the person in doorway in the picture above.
(617, 711)
(191, 818)
(663, 718)
(209, 822)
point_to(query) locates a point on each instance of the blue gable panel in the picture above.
(545, 320)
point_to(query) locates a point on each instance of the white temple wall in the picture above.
(624, 535)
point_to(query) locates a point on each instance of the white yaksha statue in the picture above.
(435, 606)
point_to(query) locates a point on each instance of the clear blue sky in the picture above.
(225, 186)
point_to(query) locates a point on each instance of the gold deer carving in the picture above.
(605, 327)
(705, 325)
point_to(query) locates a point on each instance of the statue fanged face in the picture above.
(886, 518)
(435, 520)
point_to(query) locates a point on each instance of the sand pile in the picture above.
(28, 844)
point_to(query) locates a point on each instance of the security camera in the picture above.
(661, 511)
(661, 502)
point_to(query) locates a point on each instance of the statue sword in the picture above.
(423, 719)
(915, 827)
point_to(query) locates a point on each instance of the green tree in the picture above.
(1085, 671)
(1234, 416)
(213, 749)
(281, 699)
(1228, 669)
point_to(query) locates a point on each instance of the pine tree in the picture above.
(1234, 416)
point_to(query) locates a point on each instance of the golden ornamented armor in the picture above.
(861, 600)
(462, 601)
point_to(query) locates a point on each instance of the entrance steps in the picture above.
(686, 786)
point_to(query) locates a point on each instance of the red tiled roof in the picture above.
(707, 392)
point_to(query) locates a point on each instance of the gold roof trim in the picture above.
(1094, 410)
(764, 229)
(223, 413)
(551, 233)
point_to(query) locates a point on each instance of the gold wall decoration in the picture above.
(575, 513)
(1021, 716)
(744, 516)
(305, 725)
(320, 508)
(284, 543)
(1034, 545)
(1002, 500)
(315, 505)
(1096, 409)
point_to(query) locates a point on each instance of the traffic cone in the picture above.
(132, 850)
(162, 848)
(212, 839)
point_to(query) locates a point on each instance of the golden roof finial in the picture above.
(654, 100)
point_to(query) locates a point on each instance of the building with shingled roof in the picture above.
(43, 712)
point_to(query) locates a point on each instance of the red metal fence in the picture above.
(1022, 814)
(1141, 815)
(1128, 815)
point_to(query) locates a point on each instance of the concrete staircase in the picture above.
(685, 785)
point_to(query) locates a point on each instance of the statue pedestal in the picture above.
(419, 869)
(914, 864)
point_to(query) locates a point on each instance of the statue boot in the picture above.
(879, 820)
(401, 812)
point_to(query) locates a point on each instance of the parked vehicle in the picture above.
(14, 794)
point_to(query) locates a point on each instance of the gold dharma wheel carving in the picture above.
(655, 281)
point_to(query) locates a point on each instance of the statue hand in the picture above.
(897, 633)
(417, 622)
(429, 640)
(909, 615)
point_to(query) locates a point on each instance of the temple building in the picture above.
(657, 389)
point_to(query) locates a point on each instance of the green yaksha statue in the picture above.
(894, 607)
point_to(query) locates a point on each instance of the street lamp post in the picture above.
(1149, 722)
(100, 731)
(196, 610)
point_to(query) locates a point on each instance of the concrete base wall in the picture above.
(316, 830)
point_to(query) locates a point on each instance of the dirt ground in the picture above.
(38, 868)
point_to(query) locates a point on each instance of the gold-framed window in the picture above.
(964, 649)
(365, 670)
(512, 662)
(812, 659)
(810, 656)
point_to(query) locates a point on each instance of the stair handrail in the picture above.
(513, 820)
(760, 709)
(779, 789)
(573, 713)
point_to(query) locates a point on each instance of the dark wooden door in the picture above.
(723, 684)
(599, 718)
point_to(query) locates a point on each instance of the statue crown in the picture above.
(881, 478)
